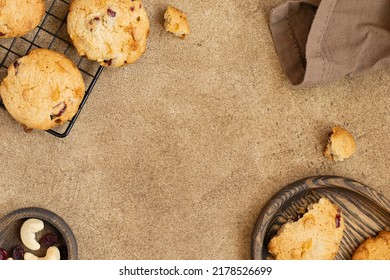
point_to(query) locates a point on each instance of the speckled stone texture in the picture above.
(174, 156)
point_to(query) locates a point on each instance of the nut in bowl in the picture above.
(36, 234)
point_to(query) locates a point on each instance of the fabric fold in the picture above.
(321, 41)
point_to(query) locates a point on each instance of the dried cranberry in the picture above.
(63, 252)
(108, 62)
(18, 253)
(132, 9)
(2, 34)
(111, 13)
(338, 220)
(48, 240)
(16, 64)
(26, 129)
(62, 111)
(3, 254)
(61, 107)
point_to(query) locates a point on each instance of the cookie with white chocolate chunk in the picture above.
(315, 236)
(111, 32)
(18, 17)
(374, 248)
(42, 89)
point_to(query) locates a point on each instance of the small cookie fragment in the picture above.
(315, 236)
(341, 145)
(42, 89)
(176, 22)
(374, 248)
(18, 17)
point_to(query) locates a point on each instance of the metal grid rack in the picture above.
(51, 34)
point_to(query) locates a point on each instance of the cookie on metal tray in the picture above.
(18, 17)
(42, 89)
(315, 236)
(111, 32)
(374, 248)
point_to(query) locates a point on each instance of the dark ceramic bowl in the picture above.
(10, 232)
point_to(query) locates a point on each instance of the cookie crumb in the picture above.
(176, 22)
(341, 144)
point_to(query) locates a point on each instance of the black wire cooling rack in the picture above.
(51, 34)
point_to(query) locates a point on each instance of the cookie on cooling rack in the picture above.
(111, 32)
(374, 248)
(18, 17)
(315, 236)
(42, 89)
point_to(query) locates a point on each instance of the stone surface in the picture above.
(173, 157)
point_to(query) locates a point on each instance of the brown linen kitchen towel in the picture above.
(321, 41)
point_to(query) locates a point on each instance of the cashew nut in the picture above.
(52, 254)
(27, 233)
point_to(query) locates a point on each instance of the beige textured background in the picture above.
(174, 157)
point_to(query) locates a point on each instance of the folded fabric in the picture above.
(321, 41)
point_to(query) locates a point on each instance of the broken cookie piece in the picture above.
(314, 236)
(176, 22)
(341, 145)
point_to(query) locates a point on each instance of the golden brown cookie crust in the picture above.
(18, 17)
(341, 145)
(42, 89)
(374, 248)
(111, 32)
(176, 22)
(316, 236)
